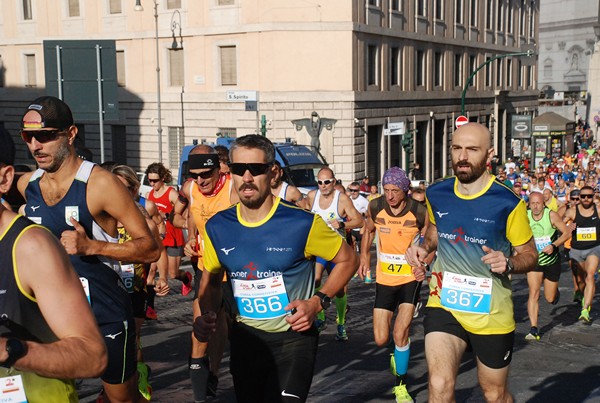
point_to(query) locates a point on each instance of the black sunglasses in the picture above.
(574, 198)
(41, 136)
(256, 169)
(353, 190)
(582, 196)
(325, 182)
(203, 175)
(154, 180)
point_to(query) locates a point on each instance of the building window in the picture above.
(176, 143)
(119, 144)
(529, 76)
(510, 20)
(500, 16)
(488, 72)
(115, 7)
(531, 23)
(473, 13)
(421, 8)
(30, 71)
(420, 68)
(173, 4)
(548, 69)
(522, 20)
(121, 77)
(372, 65)
(230, 132)
(395, 67)
(27, 14)
(396, 5)
(374, 3)
(226, 2)
(489, 14)
(519, 73)
(509, 73)
(176, 67)
(458, 12)
(228, 65)
(458, 70)
(499, 66)
(439, 9)
(74, 8)
(438, 72)
(472, 67)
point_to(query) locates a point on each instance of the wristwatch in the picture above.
(342, 224)
(16, 349)
(509, 267)
(325, 300)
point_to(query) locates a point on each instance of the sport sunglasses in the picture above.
(326, 182)
(256, 169)
(202, 175)
(41, 136)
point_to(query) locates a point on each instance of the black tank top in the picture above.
(587, 233)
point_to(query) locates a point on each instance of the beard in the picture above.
(475, 172)
(57, 159)
(256, 201)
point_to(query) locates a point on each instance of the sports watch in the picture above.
(16, 349)
(509, 267)
(324, 299)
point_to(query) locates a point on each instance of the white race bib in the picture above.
(260, 299)
(466, 293)
(12, 390)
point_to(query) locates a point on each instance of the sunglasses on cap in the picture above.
(41, 136)
(325, 182)
(202, 175)
(256, 168)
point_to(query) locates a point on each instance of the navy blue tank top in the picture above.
(105, 289)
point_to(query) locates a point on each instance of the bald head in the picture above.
(478, 131)
(326, 170)
(202, 149)
(536, 197)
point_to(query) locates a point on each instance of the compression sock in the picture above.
(340, 306)
(199, 376)
(401, 356)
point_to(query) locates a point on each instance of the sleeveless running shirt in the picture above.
(543, 235)
(173, 235)
(395, 233)
(23, 319)
(587, 233)
(283, 190)
(99, 275)
(329, 213)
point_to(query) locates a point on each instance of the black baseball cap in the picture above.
(54, 114)
(7, 148)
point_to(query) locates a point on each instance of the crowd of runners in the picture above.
(269, 261)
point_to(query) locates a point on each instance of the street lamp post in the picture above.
(138, 7)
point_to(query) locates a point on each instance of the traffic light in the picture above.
(407, 141)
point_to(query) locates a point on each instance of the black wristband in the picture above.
(342, 225)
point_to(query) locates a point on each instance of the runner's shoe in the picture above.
(143, 385)
(341, 334)
(533, 334)
(585, 315)
(187, 288)
(577, 296)
(402, 395)
(151, 314)
(321, 325)
(368, 279)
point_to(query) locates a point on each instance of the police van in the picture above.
(300, 163)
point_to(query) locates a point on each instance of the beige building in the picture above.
(375, 66)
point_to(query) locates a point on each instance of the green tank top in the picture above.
(543, 234)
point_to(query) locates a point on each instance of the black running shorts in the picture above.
(493, 350)
(390, 297)
(272, 367)
(119, 338)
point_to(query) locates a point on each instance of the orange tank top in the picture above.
(395, 235)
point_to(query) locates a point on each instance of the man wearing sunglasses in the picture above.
(585, 246)
(49, 334)
(208, 191)
(267, 250)
(81, 205)
(340, 214)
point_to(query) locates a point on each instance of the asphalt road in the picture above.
(564, 366)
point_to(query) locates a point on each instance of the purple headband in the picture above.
(396, 176)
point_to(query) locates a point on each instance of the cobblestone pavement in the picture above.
(562, 367)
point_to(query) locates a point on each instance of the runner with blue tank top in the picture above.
(81, 204)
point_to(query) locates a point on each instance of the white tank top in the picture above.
(329, 213)
(283, 190)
